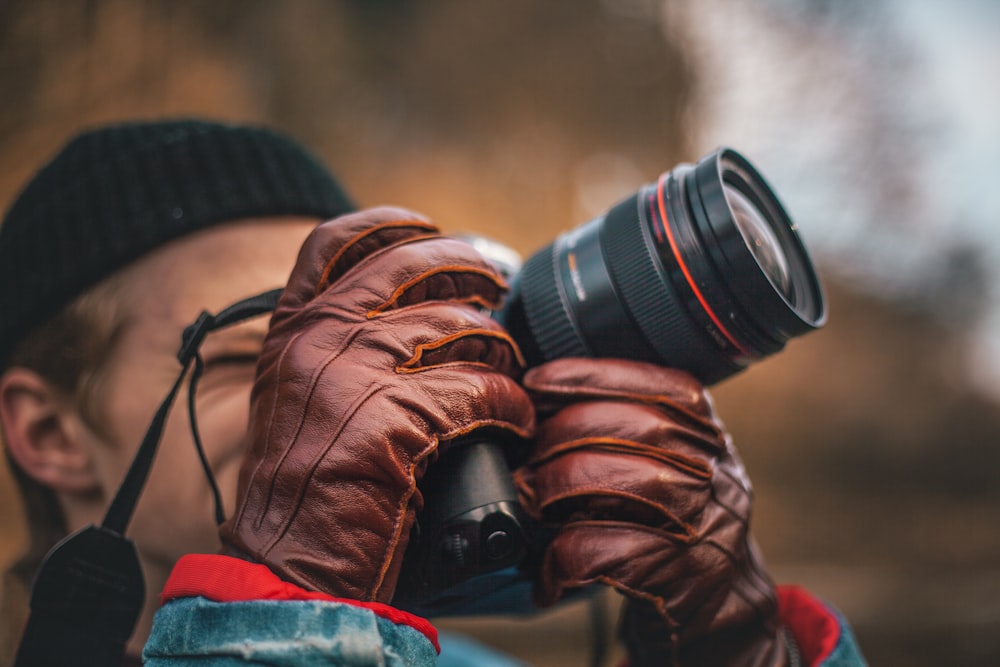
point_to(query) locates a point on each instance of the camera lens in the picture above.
(702, 270)
(760, 240)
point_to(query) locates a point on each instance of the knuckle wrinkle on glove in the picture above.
(457, 283)
(566, 380)
(479, 347)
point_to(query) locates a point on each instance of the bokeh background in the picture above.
(873, 444)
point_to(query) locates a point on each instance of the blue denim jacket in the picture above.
(196, 631)
(223, 611)
(199, 632)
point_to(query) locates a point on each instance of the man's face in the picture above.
(166, 290)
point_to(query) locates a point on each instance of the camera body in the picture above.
(702, 270)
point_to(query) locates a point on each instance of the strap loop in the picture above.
(193, 336)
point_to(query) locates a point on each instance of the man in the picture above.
(377, 358)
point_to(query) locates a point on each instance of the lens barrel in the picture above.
(702, 270)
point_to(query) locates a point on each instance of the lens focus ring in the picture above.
(652, 300)
(554, 332)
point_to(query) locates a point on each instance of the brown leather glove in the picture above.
(377, 355)
(650, 498)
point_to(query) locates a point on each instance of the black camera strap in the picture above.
(89, 592)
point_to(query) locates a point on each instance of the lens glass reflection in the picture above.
(761, 240)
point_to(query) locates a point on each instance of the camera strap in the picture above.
(89, 591)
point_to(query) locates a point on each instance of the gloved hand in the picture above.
(377, 356)
(650, 498)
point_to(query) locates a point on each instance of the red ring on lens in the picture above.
(661, 203)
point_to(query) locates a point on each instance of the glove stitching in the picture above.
(318, 372)
(304, 481)
(681, 462)
(689, 532)
(400, 513)
(668, 404)
(419, 226)
(412, 365)
(477, 299)
(238, 516)
(659, 605)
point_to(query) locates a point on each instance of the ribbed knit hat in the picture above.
(117, 192)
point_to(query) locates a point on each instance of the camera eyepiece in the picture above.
(702, 270)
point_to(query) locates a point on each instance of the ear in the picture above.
(43, 434)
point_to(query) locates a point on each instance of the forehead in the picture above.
(212, 268)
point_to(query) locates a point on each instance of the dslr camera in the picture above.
(702, 270)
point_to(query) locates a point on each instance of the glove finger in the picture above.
(406, 341)
(638, 428)
(563, 381)
(339, 244)
(626, 460)
(416, 271)
(599, 478)
(464, 399)
(641, 562)
(595, 484)
(467, 374)
(433, 334)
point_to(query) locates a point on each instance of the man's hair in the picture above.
(68, 350)
(111, 195)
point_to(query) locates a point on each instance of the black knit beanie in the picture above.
(115, 193)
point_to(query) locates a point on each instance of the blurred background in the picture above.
(872, 443)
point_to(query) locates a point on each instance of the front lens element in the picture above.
(761, 241)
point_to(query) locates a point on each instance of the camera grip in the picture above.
(471, 525)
